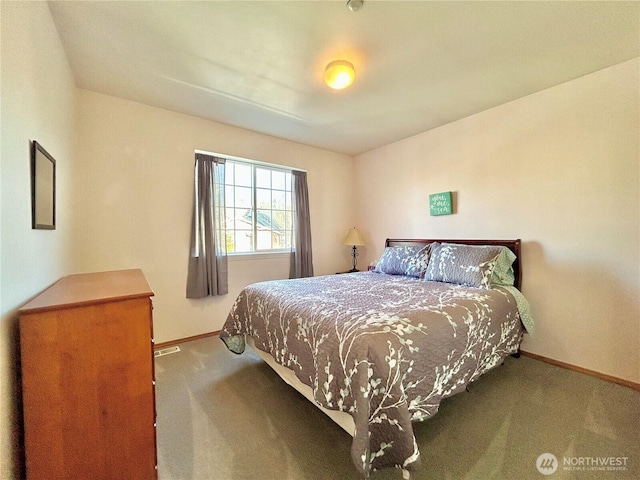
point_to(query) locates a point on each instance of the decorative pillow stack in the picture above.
(479, 266)
(470, 265)
(411, 260)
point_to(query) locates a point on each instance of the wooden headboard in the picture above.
(513, 245)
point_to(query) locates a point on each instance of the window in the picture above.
(258, 208)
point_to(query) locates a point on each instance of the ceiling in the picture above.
(259, 64)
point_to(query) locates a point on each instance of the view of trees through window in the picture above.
(258, 207)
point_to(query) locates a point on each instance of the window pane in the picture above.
(263, 178)
(264, 221)
(278, 180)
(244, 241)
(228, 196)
(279, 220)
(278, 200)
(243, 175)
(228, 173)
(277, 241)
(230, 219)
(263, 198)
(264, 240)
(243, 219)
(230, 241)
(243, 197)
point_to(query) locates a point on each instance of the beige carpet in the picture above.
(223, 416)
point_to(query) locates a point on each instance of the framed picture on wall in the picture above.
(43, 188)
(440, 204)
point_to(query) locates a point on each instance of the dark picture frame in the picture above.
(43, 188)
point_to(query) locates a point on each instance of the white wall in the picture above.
(136, 200)
(559, 169)
(38, 103)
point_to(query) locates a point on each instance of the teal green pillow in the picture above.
(503, 269)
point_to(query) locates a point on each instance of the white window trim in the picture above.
(249, 160)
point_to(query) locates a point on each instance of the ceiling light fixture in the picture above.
(339, 74)
(354, 5)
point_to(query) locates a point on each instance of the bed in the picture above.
(379, 350)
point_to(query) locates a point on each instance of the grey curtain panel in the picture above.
(208, 259)
(301, 256)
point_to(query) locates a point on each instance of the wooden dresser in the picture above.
(86, 345)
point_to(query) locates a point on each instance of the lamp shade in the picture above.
(354, 238)
(339, 74)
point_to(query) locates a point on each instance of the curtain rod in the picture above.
(257, 162)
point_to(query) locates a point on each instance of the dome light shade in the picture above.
(339, 74)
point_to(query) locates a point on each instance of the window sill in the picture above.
(242, 257)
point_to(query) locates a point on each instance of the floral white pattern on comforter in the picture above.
(386, 349)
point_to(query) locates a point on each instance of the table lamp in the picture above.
(355, 240)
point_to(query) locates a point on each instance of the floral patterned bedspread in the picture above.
(384, 348)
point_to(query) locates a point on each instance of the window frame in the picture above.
(254, 165)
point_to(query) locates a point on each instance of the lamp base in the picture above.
(354, 254)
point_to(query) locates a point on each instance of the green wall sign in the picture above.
(440, 204)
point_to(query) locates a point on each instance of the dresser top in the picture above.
(90, 288)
